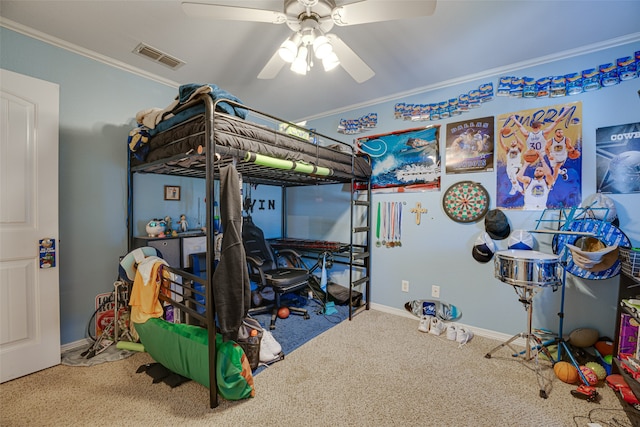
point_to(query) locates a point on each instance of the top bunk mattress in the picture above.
(188, 138)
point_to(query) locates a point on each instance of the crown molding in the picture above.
(498, 71)
(46, 38)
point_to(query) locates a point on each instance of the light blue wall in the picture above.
(438, 251)
(97, 110)
(97, 107)
(149, 203)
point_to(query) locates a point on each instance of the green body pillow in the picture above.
(184, 349)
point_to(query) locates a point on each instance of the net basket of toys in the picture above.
(630, 262)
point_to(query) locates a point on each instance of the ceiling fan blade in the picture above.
(364, 12)
(350, 61)
(232, 13)
(272, 68)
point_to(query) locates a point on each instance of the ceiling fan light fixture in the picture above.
(321, 47)
(289, 48)
(330, 61)
(300, 64)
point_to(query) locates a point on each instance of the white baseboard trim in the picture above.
(72, 345)
(384, 308)
(486, 333)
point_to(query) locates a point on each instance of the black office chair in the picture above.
(265, 271)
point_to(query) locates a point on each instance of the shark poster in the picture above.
(405, 160)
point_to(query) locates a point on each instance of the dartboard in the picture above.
(466, 201)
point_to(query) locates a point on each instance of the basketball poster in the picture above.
(618, 159)
(539, 158)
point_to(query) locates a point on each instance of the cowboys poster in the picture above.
(618, 159)
(469, 146)
(539, 158)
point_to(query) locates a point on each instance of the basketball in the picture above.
(588, 373)
(530, 156)
(505, 131)
(566, 372)
(283, 312)
(573, 154)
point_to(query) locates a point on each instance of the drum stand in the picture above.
(562, 344)
(526, 294)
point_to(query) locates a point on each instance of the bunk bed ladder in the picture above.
(360, 249)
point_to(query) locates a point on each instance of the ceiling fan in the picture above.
(311, 22)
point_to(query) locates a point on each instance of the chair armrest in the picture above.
(256, 262)
(293, 258)
(256, 273)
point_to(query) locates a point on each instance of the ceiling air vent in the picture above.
(158, 56)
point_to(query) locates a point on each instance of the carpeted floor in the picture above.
(377, 369)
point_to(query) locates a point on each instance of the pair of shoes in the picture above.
(425, 322)
(463, 336)
(437, 326)
(452, 331)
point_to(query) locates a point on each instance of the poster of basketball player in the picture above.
(539, 158)
(469, 146)
(618, 159)
(405, 160)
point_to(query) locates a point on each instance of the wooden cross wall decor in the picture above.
(418, 210)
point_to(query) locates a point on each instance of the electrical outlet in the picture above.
(435, 291)
(405, 286)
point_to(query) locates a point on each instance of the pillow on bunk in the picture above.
(184, 350)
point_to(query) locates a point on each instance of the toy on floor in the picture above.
(618, 383)
(586, 392)
(439, 309)
(283, 312)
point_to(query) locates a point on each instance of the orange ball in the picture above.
(573, 154)
(604, 347)
(566, 372)
(283, 312)
(505, 131)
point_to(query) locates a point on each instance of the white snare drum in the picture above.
(527, 268)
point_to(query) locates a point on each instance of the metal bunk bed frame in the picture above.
(206, 164)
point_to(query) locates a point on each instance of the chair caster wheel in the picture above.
(306, 317)
(487, 356)
(272, 327)
(543, 394)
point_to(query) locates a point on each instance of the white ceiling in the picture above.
(462, 38)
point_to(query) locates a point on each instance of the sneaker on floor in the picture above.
(425, 322)
(463, 336)
(452, 331)
(437, 326)
(270, 349)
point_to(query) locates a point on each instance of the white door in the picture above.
(29, 298)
